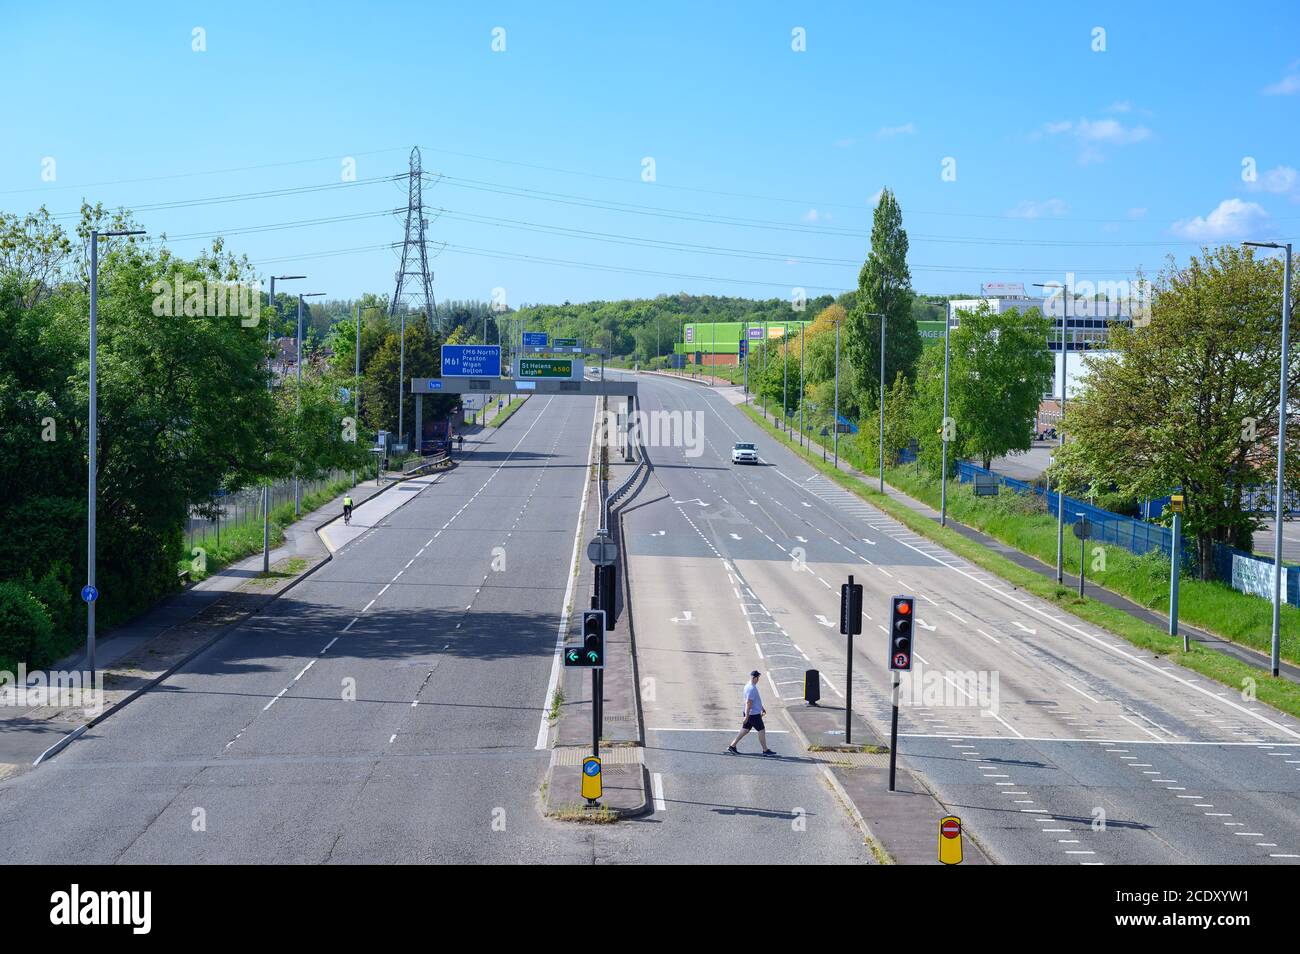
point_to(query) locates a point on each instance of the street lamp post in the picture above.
(89, 594)
(802, 328)
(835, 420)
(1280, 502)
(1066, 295)
(943, 425)
(270, 384)
(297, 482)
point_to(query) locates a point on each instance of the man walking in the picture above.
(753, 712)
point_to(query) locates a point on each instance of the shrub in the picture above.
(26, 633)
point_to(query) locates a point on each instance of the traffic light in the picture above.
(900, 633)
(591, 654)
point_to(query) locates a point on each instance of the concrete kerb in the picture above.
(221, 633)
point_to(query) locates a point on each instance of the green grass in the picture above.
(504, 414)
(1280, 693)
(245, 539)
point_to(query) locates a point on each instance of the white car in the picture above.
(744, 454)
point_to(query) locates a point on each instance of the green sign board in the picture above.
(566, 343)
(546, 367)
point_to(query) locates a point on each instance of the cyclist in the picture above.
(347, 509)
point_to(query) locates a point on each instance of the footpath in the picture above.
(138, 655)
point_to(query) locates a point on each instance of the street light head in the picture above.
(310, 294)
(285, 278)
(118, 233)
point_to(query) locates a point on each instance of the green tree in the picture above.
(884, 288)
(1000, 370)
(1189, 401)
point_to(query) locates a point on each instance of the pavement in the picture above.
(1054, 741)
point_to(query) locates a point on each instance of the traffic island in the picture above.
(623, 785)
(902, 826)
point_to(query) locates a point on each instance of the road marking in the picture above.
(1086, 696)
(657, 786)
(350, 625)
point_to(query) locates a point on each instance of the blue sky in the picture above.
(766, 159)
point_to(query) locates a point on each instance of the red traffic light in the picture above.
(904, 606)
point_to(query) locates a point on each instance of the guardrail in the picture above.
(425, 464)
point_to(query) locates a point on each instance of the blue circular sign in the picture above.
(89, 593)
(591, 767)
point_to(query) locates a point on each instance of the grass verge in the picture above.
(1279, 693)
(245, 539)
(504, 414)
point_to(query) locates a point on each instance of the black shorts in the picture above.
(754, 722)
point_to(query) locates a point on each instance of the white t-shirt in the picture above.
(752, 697)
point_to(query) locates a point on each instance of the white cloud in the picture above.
(1137, 212)
(844, 143)
(888, 132)
(875, 198)
(1288, 85)
(1093, 134)
(812, 215)
(1120, 106)
(1280, 181)
(1049, 208)
(1231, 219)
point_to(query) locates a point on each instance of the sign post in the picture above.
(901, 614)
(1083, 530)
(1175, 558)
(850, 626)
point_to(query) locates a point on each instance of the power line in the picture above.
(191, 175)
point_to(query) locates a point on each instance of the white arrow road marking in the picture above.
(684, 618)
(735, 536)
(658, 533)
(1031, 632)
(802, 539)
(823, 620)
(924, 625)
(754, 502)
(872, 542)
(805, 503)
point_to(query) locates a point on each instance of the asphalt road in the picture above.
(385, 710)
(388, 708)
(1055, 742)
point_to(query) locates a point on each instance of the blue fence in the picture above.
(1239, 569)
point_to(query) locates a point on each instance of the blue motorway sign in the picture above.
(743, 348)
(471, 361)
(536, 339)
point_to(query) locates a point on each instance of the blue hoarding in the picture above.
(536, 339)
(471, 361)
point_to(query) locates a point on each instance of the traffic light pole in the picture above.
(848, 683)
(893, 735)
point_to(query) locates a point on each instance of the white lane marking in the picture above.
(544, 727)
(277, 696)
(1142, 727)
(657, 785)
(350, 625)
(368, 605)
(1082, 693)
(328, 645)
(304, 670)
(987, 636)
